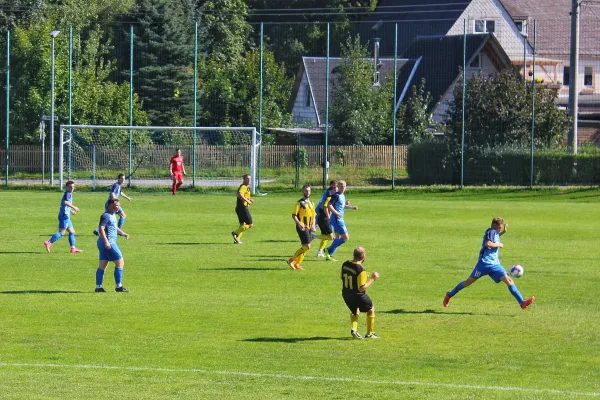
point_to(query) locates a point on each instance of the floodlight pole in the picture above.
(53, 35)
(573, 74)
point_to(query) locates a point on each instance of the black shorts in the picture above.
(305, 235)
(323, 222)
(357, 301)
(244, 216)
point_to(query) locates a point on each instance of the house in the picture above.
(308, 100)
(438, 60)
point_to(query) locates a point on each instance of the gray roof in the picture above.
(316, 71)
(442, 60)
(553, 25)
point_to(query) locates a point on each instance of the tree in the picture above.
(498, 112)
(360, 112)
(414, 116)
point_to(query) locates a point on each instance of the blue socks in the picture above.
(99, 277)
(457, 289)
(515, 292)
(118, 276)
(55, 237)
(121, 222)
(72, 239)
(336, 243)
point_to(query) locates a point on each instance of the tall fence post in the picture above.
(394, 108)
(260, 107)
(7, 102)
(194, 152)
(325, 150)
(464, 100)
(532, 103)
(130, 102)
(70, 153)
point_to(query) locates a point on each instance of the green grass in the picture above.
(209, 319)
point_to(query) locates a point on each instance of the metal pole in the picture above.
(464, 100)
(70, 100)
(573, 74)
(525, 61)
(325, 155)
(94, 166)
(260, 106)
(394, 108)
(7, 102)
(43, 139)
(52, 36)
(130, 102)
(532, 103)
(297, 160)
(195, 102)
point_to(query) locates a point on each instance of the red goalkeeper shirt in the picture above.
(177, 164)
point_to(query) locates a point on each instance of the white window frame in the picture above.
(591, 75)
(485, 22)
(524, 24)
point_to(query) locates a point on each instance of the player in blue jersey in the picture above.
(108, 248)
(337, 205)
(64, 219)
(489, 264)
(115, 192)
(323, 219)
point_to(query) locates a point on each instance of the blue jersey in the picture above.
(65, 211)
(109, 222)
(338, 201)
(115, 190)
(489, 255)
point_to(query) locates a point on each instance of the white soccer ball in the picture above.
(516, 271)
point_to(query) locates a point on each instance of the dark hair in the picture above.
(69, 183)
(111, 201)
(121, 176)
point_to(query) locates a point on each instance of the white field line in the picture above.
(307, 378)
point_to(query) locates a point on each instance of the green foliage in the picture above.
(414, 118)
(301, 157)
(361, 112)
(498, 111)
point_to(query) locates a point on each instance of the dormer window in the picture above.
(476, 62)
(522, 27)
(484, 26)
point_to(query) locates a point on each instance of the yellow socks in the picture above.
(354, 321)
(299, 255)
(370, 324)
(241, 230)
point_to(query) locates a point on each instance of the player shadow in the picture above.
(278, 241)
(41, 291)
(21, 252)
(188, 243)
(239, 269)
(427, 311)
(291, 340)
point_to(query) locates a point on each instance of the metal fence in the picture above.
(289, 78)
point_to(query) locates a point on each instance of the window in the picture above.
(588, 77)
(307, 99)
(476, 63)
(566, 76)
(484, 26)
(522, 27)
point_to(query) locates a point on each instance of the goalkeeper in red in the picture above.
(177, 170)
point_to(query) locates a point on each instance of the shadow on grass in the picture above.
(428, 311)
(41, 292)
(189, 243)
(22, 252)
(292, 340)
(240, 269)
(279, 241)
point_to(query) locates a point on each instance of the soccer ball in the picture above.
(516, 271)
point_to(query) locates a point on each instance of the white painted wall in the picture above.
(300, 112)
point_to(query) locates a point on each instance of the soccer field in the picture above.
(209, 319)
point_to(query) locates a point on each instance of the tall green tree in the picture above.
(498, 112)
(414, 117)
(361, 112)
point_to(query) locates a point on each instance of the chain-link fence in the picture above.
(437, 96)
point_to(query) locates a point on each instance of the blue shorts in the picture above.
(495, 271)
(64, 224)
(114, 254)
(339, 226)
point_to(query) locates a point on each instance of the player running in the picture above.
(488, 263)
(323, 219)
(177, 170)
(115, 192)
(108, 249)
(64, 219)
(355, 283)
(243, 201)
(337, 205)
(304, 218)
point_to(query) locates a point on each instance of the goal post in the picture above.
(215, 156)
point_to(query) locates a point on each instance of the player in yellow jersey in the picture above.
(355, 283)
(304, 218)
(242, 211)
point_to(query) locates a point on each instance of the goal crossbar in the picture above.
(66, 130)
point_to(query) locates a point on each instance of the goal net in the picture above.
(213, 156)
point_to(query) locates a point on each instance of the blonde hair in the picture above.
(499, 221)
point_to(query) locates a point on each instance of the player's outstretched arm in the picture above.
(121, 233)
